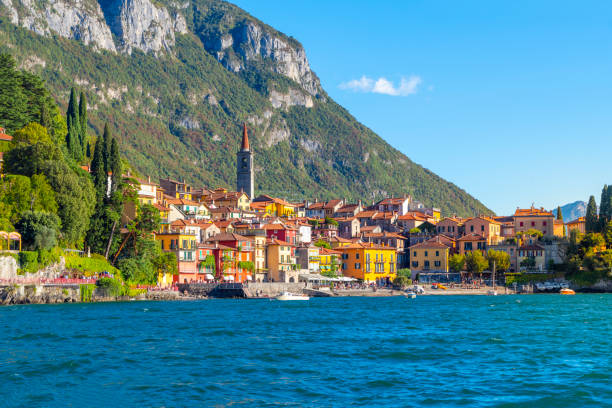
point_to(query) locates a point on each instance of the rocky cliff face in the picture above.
(77, 19)
(248, 43)
(135, 24)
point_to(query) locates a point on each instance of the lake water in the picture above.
(434, 351)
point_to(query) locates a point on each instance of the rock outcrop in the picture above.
(249, 43)
(81, 20)
(136, 24)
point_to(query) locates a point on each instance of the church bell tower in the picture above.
(244, 166)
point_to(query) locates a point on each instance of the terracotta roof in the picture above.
(383, 235)
(532, 212)
(432, 243)
(472, 237)
(362, 245)
(325, 251)
(366, 214)
(393, 201)
(384, 215)
(340, 239)
(278, 242)
(4, 136)
(410, 217)
(228, 236)
(368, 228)
(160, 207)
(488, 219)
(332, 203)
(245, 139)
(348, 207)
(455, 220)
(316, 206)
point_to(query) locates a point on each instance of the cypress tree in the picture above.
(115, 165)
(83, 119)
(97, 171)
(106, 136)
(559, 213)
(74, 127)
(592, 222)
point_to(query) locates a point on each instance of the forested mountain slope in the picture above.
(177, 80)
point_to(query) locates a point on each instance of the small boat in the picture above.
(291, 296)
(567, 291)
(492, 293)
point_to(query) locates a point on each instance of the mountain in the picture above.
(572, 211)
(176, 79)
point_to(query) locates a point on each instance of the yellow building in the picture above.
(369, 262)
(578, 224)
(429, 256)
(274, 206)
(281, 263)
(330, 261)
(485, 226)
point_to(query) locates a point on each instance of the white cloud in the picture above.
(407, 86)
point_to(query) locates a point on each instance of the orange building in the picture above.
(578, 224)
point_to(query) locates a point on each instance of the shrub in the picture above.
(112, 286)
(86, 292)
(28, 261)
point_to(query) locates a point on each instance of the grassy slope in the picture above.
(152, 96)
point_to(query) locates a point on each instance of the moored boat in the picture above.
(291, 296)
(567, 291)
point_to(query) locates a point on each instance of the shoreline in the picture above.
(30, 294)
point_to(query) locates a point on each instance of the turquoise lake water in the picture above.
(433, 351)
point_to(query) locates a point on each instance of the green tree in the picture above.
(501, 259)
(605, 206)
(456, 263)
(331, 221)
(75, 147)
(13, 104)
(115, 165)
(31, 134)
(166, 262)
(607, 234)
(98, 172)
(321, 243)
(38, 230)
(404, 272)
(83, 139)
(592, 221)
(475, 262)
(106, 142)
(559, 213)
(75, 196)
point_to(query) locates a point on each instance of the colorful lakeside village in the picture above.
(238, 237)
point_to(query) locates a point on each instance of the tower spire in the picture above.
(245, 138)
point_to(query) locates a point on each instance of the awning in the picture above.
(249, 277)
(346, 279)
(210, 277)
(228, 278)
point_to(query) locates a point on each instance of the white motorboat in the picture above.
(492, 293)
(291, 296)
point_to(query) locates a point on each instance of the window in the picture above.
(415, 264)
(437, 253)
(282, 258)
(426, 253)
(471, 228)
(533, 223)
(437, 264)
(426, 264)
(522, 223)
(482, 227)
(415, 253)
(357, 265)
(357, 255)
(162, 245)
(367, 258)
(544, 223)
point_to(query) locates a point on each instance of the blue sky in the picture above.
(508, 100)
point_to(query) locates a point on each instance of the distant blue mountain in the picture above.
(572, 211)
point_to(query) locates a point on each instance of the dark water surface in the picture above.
(436, 351)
